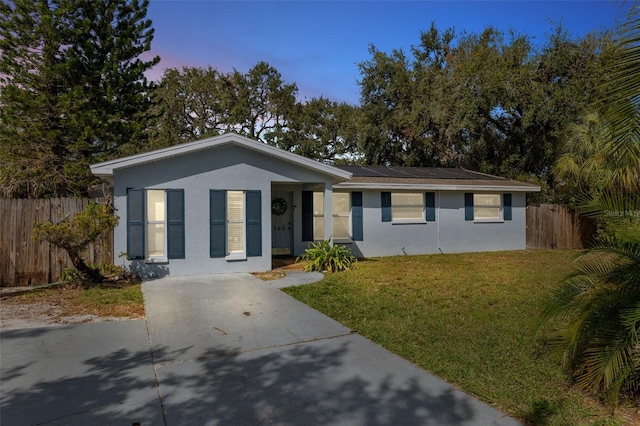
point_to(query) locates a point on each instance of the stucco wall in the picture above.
(450, 233)
(237, 168)
(228, 168)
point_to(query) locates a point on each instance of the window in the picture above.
(235, 224)
(408, 207)
(346, 211)
(341, 207)
(341, 210)
(487, 207)
(155, 224)
(318, 216)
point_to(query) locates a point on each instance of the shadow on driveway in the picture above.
(229, 351)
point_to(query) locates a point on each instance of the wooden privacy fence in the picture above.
(558, 227)
(25, 262)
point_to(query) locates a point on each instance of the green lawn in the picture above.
(470, 319)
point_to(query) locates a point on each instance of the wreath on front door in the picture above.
(278, 206)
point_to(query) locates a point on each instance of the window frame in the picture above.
(494, 219)
(236, 255)
(429, 208)
(320, 195)
(317, 216)
(417, 220)
(349, 236)
(164, 222)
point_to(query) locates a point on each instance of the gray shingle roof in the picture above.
(417, 172)
(443, 178)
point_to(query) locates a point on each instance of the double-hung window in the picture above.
(156, 236)
(155, 224)
(341, 215)
(318, 216)
(346, 214)
(487, 207)
(235, 224)
(408, 207)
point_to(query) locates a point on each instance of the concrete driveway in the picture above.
(221, 350)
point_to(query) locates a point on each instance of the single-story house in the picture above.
(229, 204)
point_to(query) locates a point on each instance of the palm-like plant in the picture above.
(598, 306)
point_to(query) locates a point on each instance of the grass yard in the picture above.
(470, 319)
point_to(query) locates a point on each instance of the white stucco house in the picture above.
(229, 204)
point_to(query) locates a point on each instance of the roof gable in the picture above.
(108, 168)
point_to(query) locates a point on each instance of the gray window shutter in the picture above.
(254, 223)
(218, 223)
(356, 216)
(385, 202)
(430, 211)
(135, 223)
(468, 206)
(307, 216)
(175, 224)
(506, 206)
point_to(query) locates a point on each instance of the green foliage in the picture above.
(195, 103)
(72, 278)
(598, 306)
(75, 234)
(72, 90)
(491, 102)
(323, 256)
(323, 130)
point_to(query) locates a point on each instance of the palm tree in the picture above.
(598, 306)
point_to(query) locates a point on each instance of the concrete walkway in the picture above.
(221, 350)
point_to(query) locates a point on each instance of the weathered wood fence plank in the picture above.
(558, 226)
(25, 262)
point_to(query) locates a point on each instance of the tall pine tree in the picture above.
(72, 91)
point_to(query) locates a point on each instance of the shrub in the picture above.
(112, 274)
(75, 234)
(322, 256)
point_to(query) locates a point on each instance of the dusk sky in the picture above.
(318, 44)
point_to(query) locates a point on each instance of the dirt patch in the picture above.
(269, 275)
(43, 308)
(14, 316)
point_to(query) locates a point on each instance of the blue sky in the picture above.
(318, 44)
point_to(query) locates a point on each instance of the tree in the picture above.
(195, 102)
(261, 102)
(491, 102)
(404, 104)
(323, 130)
(191, 104)
(75, 234)
(73, 91)
(598, 306)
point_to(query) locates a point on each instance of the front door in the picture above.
(282, 223)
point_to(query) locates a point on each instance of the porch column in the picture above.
(328, 210)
